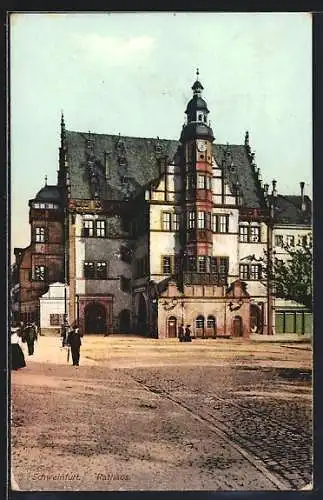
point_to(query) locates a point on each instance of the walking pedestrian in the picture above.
(29, 335)
(74, 341)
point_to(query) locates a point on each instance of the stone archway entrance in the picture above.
(237, 326)
(172, 327)
(95, 318)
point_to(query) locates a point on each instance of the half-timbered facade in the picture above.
(160, 233)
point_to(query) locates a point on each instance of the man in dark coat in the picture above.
(188, 337)
(181, 333)
(29, 335)
(74, 341)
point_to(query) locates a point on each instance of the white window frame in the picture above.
(254, 234)
(244, 271)
(166, 264)
(176, 221)
(255, 272)
(191, 220)
(223, 224)
(166, 221)
(88, 225)
(201, 264)
(100, 227)
(201, 220)
(201, 181)
(40, 273)
(243, 234)
(39, 234)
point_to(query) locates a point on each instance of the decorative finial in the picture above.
(246, 139)
(46, 180)
(63, 133)
(197, 73)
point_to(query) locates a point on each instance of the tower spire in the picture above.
(63, 130)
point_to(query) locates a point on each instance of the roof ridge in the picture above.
(124, 136)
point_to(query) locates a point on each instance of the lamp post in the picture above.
(271, 217)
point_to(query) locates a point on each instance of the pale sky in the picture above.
(131, 73)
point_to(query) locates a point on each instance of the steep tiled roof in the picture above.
(288, 210)
(241, 171)
(48, 193)
(142, 167)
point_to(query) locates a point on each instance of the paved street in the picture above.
(143, 414)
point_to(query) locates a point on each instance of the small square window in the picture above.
(290, 240)
(201, 220)
(223, 224)
(243, 234)
(201, 262)
(191, 220)
(201, 181)
(100, 228)
(40, 273)
(255, 272)
(166, 264)
(176, 219)
(166, 221)
(254, 234)
(88, 228)
(89, 270)
(279, 242)
(244, 271)
(101, 270)
(39, 234)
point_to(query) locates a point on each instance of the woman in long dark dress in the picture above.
(17, 356)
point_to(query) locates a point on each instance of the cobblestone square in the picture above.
(144, 414)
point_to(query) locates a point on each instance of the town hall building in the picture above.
(146, 234)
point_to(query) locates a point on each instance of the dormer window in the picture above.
(122, 161)
(200, 117)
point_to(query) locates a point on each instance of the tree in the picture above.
(291, 278)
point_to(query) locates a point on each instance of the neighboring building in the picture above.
(52, 308)
(292, 227)
(160, 232)
(42, 262)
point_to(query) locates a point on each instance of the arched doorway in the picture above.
(211, 326)
(142, 315)
(124, 321)
(255, 319)
(172, 327)
(237, 326)
(95, 318)
(199, 326)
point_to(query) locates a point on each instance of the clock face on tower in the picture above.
(201, 146)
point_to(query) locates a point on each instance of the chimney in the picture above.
(303, 204)
(274, 191)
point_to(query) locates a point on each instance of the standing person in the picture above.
(64, 332)
(35, 330)
(17, 356)
(74, 341)
(181, 333)
(188, 337)
(30, 337)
